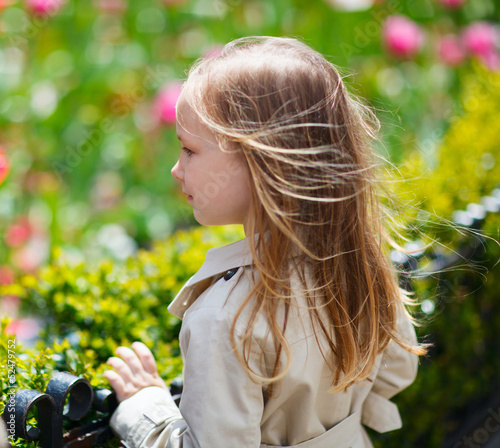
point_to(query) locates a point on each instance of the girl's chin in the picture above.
(205, 220)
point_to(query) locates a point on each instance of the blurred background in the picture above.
(88, 88)
(87, 138)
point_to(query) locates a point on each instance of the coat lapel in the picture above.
(217, 262)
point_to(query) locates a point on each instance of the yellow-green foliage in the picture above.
(90, 310)
(34, 367)
(463, 368)
(467, 165)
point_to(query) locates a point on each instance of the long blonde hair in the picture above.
(307, 144)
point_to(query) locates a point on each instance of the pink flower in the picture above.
(451, 50)
(4, 166)
(452, 4)
(492, 61)
(9, 305)
(7, 275)
(18, 233)
(213, 52)
(44, 7)
(402, 37)
(164, 107)
(480, 39)
(31, 256)
(4, 4)
(25, 329)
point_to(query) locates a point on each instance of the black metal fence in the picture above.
(66, 397)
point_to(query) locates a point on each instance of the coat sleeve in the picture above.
(397, 370)
(220, 406)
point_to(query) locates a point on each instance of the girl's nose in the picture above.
(177, 171)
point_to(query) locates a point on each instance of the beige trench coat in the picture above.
(222, 407)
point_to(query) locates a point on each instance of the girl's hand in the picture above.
(134, 371)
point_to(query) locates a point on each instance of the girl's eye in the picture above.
(188, 152)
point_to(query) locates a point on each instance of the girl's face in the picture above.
(216, 183)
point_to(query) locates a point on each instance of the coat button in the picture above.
(229, 274)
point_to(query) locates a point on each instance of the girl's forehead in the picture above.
(188, 124)
(186, 118)
(182, 104)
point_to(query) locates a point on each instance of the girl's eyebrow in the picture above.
(180, 135)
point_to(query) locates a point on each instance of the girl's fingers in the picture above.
(122, 369)
(117, 384)
(115, 380)
(133, 371)
(146, 357)
(131, 359)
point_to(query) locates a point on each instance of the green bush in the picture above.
(462, 369)
(35, 367)
(89, 311)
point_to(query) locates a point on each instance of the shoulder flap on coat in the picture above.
(217, 262)
(380, 414)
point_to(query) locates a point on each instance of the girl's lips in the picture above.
(189, 198)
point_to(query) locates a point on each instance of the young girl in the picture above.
(296, 335)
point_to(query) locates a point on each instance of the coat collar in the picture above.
(217, 261)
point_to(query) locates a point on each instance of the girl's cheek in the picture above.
(235, 168)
